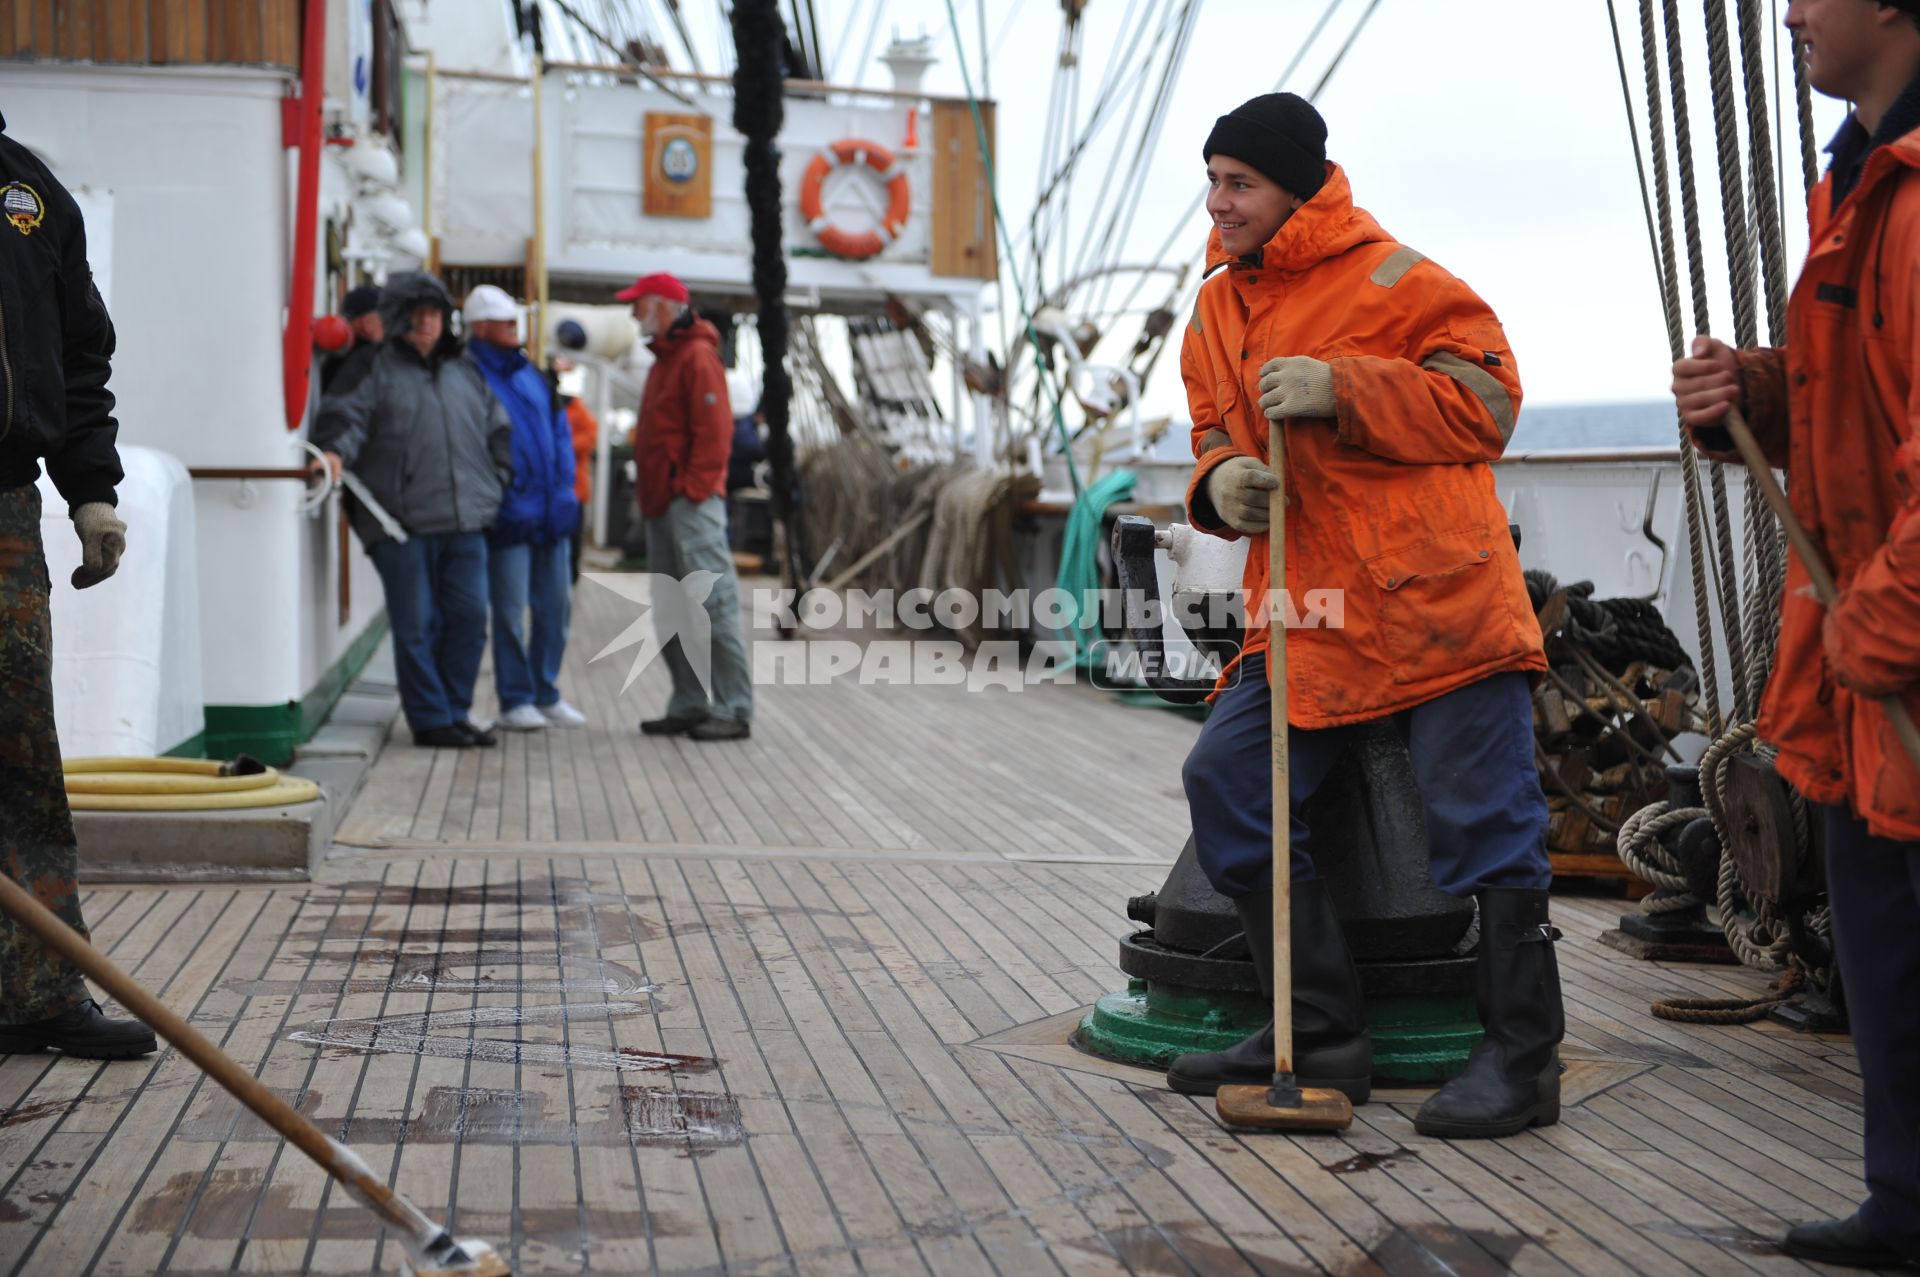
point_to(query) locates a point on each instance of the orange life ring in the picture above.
(899, 198)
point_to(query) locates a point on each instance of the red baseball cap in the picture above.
(656, 285)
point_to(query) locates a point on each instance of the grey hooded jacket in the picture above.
(426, 436)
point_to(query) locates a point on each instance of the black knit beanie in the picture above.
(1281, 135)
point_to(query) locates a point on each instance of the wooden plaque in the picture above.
(964, 244)
(678, 180)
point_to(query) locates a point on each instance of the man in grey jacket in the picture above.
(431, 444)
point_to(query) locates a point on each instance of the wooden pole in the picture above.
(537, 326)
(1282, 788)
(1823, 586)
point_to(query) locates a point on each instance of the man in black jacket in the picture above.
(55, 345)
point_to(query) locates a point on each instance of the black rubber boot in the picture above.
(1332, 1048)
(1512, 1079)
(81, 1031)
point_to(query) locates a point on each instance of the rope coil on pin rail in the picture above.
(853, 153)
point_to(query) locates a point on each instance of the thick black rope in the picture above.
(1615, 632)
(759, 39)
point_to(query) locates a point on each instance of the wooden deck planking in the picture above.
(915, 1130)
(838, 1001)
(911, 768)
(826, 921)
(82, 1106)
(374, 1087)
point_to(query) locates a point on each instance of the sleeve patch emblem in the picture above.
(22, 207)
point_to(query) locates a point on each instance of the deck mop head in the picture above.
(464, 1258)
(431, 1250)
(1283, 1106)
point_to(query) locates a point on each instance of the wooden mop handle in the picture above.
(1823, 586)
(337, 1160)
(1282, 790)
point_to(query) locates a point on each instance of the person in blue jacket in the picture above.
(530, 550)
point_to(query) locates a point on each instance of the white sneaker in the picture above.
(561, 714)
(523, 718)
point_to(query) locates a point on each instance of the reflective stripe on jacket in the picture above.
(1391, 504)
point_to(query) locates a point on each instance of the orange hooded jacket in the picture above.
(1837, 408)
(1392, 503)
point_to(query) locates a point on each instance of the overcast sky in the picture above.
(1491, 136)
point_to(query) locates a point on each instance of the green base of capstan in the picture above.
(1416, 1041)
(1150, 1023)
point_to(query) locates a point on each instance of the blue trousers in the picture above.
(1472, 753)
(436, 589)
(526, 658)
(1873, 885)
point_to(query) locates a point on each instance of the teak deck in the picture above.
(799, 1005)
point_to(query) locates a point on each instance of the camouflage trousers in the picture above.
(36, 829)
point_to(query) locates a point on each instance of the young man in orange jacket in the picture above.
(1836, 408)
(1395, 387)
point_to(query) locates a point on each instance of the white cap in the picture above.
(486, 303)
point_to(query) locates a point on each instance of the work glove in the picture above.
(103, 539)
(1239, 489)
(1296, 386)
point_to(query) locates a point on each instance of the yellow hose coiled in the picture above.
(177, 784)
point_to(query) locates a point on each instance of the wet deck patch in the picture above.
(657, 1115)
(422, 1035)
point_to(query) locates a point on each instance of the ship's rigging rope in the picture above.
(1183, 225)
(1125, 205)
(1151, 48)
(1000, 220)
(1756, 261)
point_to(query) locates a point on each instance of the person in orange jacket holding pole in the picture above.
(1396, 387)
(1836, 408)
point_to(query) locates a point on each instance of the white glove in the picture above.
(1240, 490)
(103, 539)
(1296, 386)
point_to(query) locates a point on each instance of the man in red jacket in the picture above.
(1837, 409)
(685, 433)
